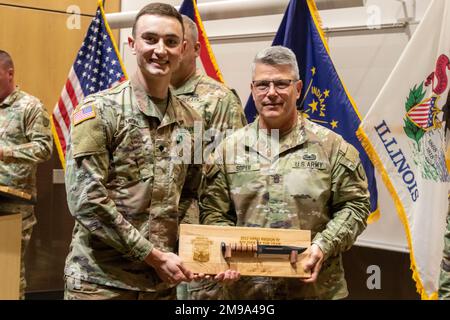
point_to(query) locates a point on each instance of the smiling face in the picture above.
(158, 45)
(276, 107)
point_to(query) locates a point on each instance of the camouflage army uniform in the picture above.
(315, 181)
(26, 140)
(221, 110)
(444, 279)
(124, 186)
(219, 107)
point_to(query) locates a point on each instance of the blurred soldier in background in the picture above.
(25, 141)
(221, 110)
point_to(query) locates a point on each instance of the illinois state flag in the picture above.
(325, 100)
(405, 138)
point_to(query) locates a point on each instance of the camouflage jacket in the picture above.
(444, 279)
(26, 140)
(219, 107)
(125, 183)
(221, 110)
(311, 180)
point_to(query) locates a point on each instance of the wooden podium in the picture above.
(10, 246)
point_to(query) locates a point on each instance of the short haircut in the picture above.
(277, 55)
(6, 60)
(158, 9)
(192, 28)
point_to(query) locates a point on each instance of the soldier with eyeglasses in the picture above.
(285, 171)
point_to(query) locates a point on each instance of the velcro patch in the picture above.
(84, 114)
(234, 168)
(311, 164)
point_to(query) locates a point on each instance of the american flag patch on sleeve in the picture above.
(85, 113)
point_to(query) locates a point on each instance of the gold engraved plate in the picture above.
(200, 249)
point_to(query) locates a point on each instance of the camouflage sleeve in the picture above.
(444, 278)
(216, 206)
(38, 132)
(87, 170)
(350, 205)
(229, 113)
(190, 193)
(188, 207)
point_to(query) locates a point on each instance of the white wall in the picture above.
(364, 59)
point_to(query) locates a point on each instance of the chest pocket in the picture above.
(12, 128)
(133, 156)
(244, 175)
(181, 154)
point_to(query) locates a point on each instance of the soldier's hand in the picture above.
(228, 276)
(313, 263)
(169, 267)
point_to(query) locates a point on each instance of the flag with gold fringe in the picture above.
(97, 67)
(325, 100)
(404, 135)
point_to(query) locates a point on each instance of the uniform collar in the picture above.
(296, 137)
(9, 100)
(190, 85)
(147, 107)
(258, 140)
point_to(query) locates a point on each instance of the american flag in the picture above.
(422, 114)
(96, 67)
(83, 114)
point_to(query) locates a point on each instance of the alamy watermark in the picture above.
(374, 280)
(74, 20)
(204, 147)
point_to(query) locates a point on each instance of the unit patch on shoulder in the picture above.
(83, 114)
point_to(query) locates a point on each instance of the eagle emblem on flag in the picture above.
(423, 116)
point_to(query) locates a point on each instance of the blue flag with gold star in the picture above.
(324, 99)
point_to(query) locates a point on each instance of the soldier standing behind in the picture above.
(25, 141)
(221, 110)
(126, 185)
(310, 178)
(219, 106)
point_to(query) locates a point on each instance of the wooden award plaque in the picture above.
(16, 195)
(251, 251)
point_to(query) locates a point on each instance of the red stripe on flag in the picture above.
(207, 63)
(63, 111)
(61, 138)
(98, 35)
(206, 55)
(72, 95)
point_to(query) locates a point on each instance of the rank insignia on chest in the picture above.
(84, 114)
(276, 178)
(309, 157)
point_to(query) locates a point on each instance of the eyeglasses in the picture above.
(263, 86)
